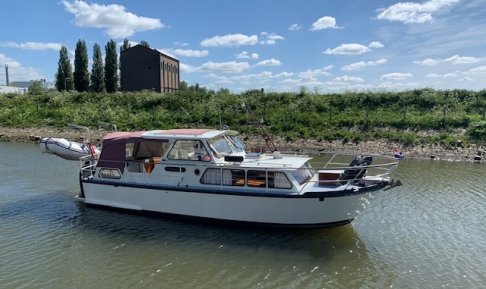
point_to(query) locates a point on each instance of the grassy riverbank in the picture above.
(421, 119)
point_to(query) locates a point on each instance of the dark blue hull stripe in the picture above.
(227, 191)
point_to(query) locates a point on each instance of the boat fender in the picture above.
(93, 151)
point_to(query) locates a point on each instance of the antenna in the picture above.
(259, 125)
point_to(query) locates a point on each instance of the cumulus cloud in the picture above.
(186, 52)
(312, 73)
(411, 12)
(16, 71)
(226, 67)
(246, 55)
(269, 62)
(455, 59)
(346, 78)
(396, 76)
(32, 45)
(376, 44)
(118, 22)
(348, 49)
(361, 64)
(479, 69)
(230, 40)
(446, 75)
(270, 38)
(187, 68)
(295, 27)
(325, 22)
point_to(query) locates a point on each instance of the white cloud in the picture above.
(428, 62)
(455, 59)
(4, 59)
(411, 12)
(348, 49)
(246, 55)
(325, 22)
(118, 22)
(269, 62)
(187, 52)
(396, 76)
(16, 71)
(270, 38)
(361, 64)
(295, 27)
(32, 45)
(454, 74)
(346, 78)
(230, 40)
(479, 69)
(284, 74)
(187, 68)
(312, 73)
(177, 43)
(226, 67)
(376, 44)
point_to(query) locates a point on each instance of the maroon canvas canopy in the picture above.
(113, 149)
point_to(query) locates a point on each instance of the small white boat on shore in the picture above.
(69, 150)
(207, 174)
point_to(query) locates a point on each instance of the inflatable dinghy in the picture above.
(68, 150)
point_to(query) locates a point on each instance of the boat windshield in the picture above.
(222, 146)
(303, 174)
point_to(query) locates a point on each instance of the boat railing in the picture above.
(337, 173)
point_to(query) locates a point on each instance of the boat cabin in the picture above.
(197, 158)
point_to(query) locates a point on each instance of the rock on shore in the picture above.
(310, 146)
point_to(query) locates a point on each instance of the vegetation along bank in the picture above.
(421, 122)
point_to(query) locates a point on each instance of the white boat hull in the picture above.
(268, 210)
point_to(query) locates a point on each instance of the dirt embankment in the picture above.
(311, 146)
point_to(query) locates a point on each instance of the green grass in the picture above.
(350, 117)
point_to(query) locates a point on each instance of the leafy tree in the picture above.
(111, 67)
(64, 75)
(126, 44)
(81, 74)
(36, 87)
(144, 43)
(97, 70)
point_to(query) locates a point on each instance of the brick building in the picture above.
(145, 68)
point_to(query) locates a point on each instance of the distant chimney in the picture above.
(6, 73)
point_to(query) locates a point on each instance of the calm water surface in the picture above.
(430, 233)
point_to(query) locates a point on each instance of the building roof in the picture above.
(138, 46)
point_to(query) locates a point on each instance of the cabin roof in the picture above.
(268, 161)
(183, 133)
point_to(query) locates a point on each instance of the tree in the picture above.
(81, 74)
(36, 87)
(111, 67)
(126, 44)
(64, 75)
(97, 70)
(144, 43)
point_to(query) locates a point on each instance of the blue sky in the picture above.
(279, 45)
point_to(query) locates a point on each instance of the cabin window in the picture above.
(257, 179)
(189, 150)
(278, 180)
(211, 177)
(233, 177)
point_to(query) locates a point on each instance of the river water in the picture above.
(430, 233)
